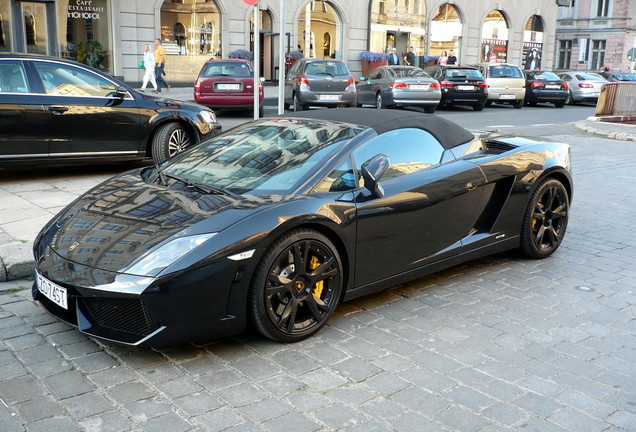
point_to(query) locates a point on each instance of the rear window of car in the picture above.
(409, 73)
(227, 69)
(504, 72)
(326, 68)
(588, 77)
(464, 73)
(546, 76)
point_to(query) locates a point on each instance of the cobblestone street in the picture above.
(498, 344)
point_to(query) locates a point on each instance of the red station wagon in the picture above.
(227, 84)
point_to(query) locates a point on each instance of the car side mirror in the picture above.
(372, 171)
(120, 92)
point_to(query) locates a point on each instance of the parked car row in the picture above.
(316, 82)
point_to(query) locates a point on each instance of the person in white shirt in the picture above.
(149, 64)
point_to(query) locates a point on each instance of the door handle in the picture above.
(57, 110)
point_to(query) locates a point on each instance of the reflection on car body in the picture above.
(64, 111)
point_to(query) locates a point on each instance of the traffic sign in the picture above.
(250, 2)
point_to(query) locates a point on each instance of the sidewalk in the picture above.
(27, 210)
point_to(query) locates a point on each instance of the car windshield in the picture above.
(588, 77)
(464, 73)
(626, 77)
(409, 73)
(227, 69)
(264, 157)
(505, 72)
(326, 68)
(546, 76)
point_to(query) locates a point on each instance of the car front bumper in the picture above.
(187, 306)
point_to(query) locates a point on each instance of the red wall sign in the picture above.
(250, 2)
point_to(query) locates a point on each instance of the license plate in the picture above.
(228, 87)
(553, 87)
(329, 97)
(506, 96)
(465, 88)
(419, 87)
(52, 291)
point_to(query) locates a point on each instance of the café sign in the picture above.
(84, 9)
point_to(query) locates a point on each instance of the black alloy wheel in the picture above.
(296, 286)
(430, 109)
(170, 139)
(545, 220)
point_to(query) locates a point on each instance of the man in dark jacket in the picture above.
(394, 59)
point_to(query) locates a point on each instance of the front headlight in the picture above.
(155, 260)
(208, 116)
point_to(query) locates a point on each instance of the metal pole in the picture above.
(281, 60)
(257, 59)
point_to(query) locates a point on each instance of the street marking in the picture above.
(542, 124)
(501, 126)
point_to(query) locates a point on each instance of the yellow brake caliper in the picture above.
(314, 263)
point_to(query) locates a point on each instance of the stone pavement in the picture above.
(498, 344)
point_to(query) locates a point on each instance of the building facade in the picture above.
(592, 34)
(192, 31)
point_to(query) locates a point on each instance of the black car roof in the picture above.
(447, 133)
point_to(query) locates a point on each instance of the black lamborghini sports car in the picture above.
(271, 224)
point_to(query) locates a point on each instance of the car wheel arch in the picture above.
(326, 231)
(194, 136)
(565, 180)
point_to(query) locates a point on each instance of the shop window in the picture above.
(446, 30)
(399, 24)
(532, 44)
(494, 34)
(316, 21)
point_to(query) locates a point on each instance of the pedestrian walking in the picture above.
(160, 64)
(149, 64)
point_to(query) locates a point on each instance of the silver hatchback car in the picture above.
(314, 82)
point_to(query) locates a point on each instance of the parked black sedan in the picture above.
(59, 110)
(460, 85)
(273, 223)
(543, 86)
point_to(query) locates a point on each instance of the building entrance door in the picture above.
(399, 40)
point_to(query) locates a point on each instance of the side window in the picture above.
(339, 180)
(409, 150)
(13, 77)
(67, 80)
(377, 74)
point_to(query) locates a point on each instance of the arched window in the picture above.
(446, 31)
(319, 18)
(494, 38)
(532, 43)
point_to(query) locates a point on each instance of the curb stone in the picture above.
(16, 261)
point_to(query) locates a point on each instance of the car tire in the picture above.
(379, 101)
(170, 139)
(296, 105)
(559, 104)
(296, 286)
(261, 112)
(479, 107)
(430, 109)
(488, 103)
(545, 220)
(532, 104)
(517, 104)
(570, 100)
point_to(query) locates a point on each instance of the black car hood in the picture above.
(117, 222)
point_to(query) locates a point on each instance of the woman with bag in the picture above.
(149, 65)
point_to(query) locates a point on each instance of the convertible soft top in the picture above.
(447, 133)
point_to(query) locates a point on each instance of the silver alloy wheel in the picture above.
(378, 101)
(178, 142)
